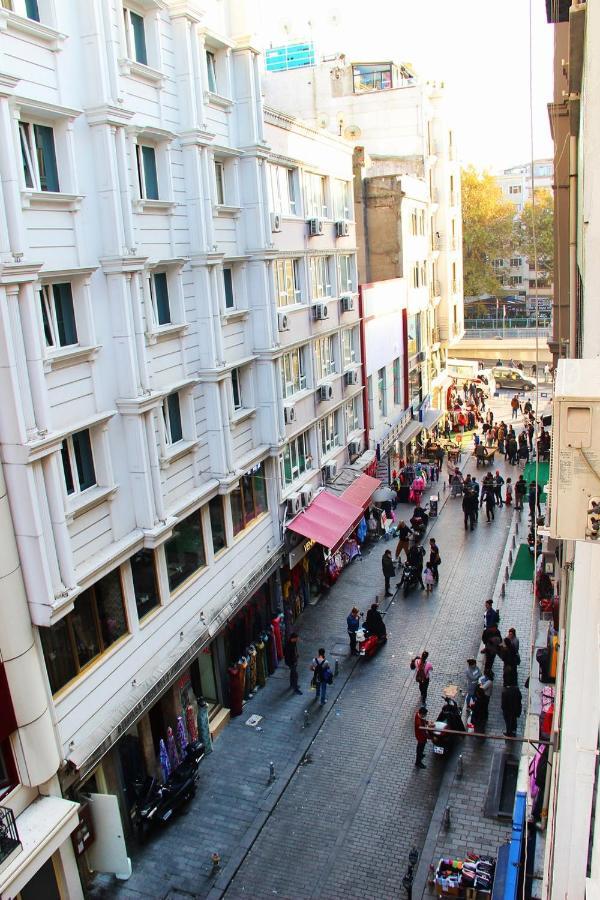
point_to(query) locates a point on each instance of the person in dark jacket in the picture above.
(498, 482)
(387, 565)
(511, 708)
(421, 735)
(491, 616)
(520, 491)
(415, 558)
(403, 531)
(507, 654)
(469, 507)
(353, 623)
(488, 496)
(374, 622)
(434, 559)
(492, 640)
(290, 654)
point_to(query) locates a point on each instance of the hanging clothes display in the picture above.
(261, 666)
(235, 691)
(277, 623)
(252, 667)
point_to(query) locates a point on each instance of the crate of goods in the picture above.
(448, 878)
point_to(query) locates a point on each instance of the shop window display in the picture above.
(185, 550)
(96, 622)
(249, 499)
(145, 587)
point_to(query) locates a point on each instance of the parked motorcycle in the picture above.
(368, 643)
(448, 718)
(409, 579)
(156, 802)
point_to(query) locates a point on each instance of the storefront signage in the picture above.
(299, 552)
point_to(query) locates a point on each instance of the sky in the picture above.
(479, 49)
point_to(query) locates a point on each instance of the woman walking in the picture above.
(424, 669)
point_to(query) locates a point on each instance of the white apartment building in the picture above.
(397, 117)
(143, 435)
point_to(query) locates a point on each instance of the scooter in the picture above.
(409, 578)
(419, 521)
(368, 643)
(156, 803)
(448, 718)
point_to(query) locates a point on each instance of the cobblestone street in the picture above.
(347, 804)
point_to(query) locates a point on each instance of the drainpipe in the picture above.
(34, 742)
(363, 365)
(572, 247)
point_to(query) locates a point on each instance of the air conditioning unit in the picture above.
(330, 471)
(354, 448)
(289, 414)
(347, 302)
(573, 490)
(320, 311)
(342, 228)
(351, 377)
(315, 227)
(307, 494)
(326, 392)
(275, 222)
(294, 504)
(283, 322)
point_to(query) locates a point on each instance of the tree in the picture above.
(488, 231)
(542, 215)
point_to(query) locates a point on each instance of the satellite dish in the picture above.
(352, 133)
(322, 120)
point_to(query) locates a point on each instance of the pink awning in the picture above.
(328, 520)
(361, 490)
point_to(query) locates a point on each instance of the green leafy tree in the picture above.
(488, 231)
(540, 214)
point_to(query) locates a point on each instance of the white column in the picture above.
(126, 197)
(11, 183)
(207, 181)
(135, 290)
(149, 422)
(53, 481)
(30, 322)
(23, 385)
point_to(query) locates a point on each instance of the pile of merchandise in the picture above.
(454, 876)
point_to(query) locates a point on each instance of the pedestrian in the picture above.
(428, 578)
(469, 507)
(472, 676)
(322, 675)
(353, 623)
(423, 671)
(523, 451)
(435, 559)
(531, 498)
(387, 565)
(403, 531)
(491, 616)
(509, 492)
(492, 639)
(415, 558)
(421, 735)
(512, 637)
(512, 708)
(488, 496)
(527, 407)
(520, 491)
(480, 705)
(514, 405)
(512, 448)
(290, 655)
(498, 482)
(546, 372)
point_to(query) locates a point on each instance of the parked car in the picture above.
(506, 377)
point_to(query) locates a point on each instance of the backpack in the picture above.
(421, 675)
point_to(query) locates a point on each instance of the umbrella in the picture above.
(164, 759)
(383, 493)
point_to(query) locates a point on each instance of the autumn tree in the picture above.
(488, 231)
(541, 215)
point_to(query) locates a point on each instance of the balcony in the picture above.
(10, 844)
(435, 289)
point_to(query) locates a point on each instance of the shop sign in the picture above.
(299, 552)
(83, 836)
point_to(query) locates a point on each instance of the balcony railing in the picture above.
(10, 844)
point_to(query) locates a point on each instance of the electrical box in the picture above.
(574, 487)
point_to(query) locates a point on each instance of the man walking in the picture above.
(469, 507)
(421, 735)
(533, 498)
(290, 654)
(512, 708)
(353, 623)
(492, 639)
(520, 491)
(498, 482)
(403, 531)
(434, 559)
(322, 675)
(387, 565)
(489, 496)
(472, 676)
(491, 616)
(514, 405)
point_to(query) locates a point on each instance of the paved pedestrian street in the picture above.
(347, 804)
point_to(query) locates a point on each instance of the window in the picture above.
(329, 433)
(516, 262)
(282, 185)
(217, 523)
(352, 411)
(346, 272)
(236, 384)
(287, 282)
(147, 172)
(220, 183)
(514, 189)
(325, 357)
(414, 222)
(293, 376)
(172, 419)
(96, 622)
(159, 292)
(58, 317)
(454, 279)
(249, 499)
(342, 206)
(38, 155)
(414, 335)
(315, 195)
(27, 8)
(184, 551)
(320, 280)
(349, 345)
(8, 771)
(78, 462)
(381, 392)
(295, 459)
(228, 286)
(135, 36)
(377, 77)
(398, 399)
(515, 279)
(145, 587)
(211, 71)
(419, 275)
(497, 263)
